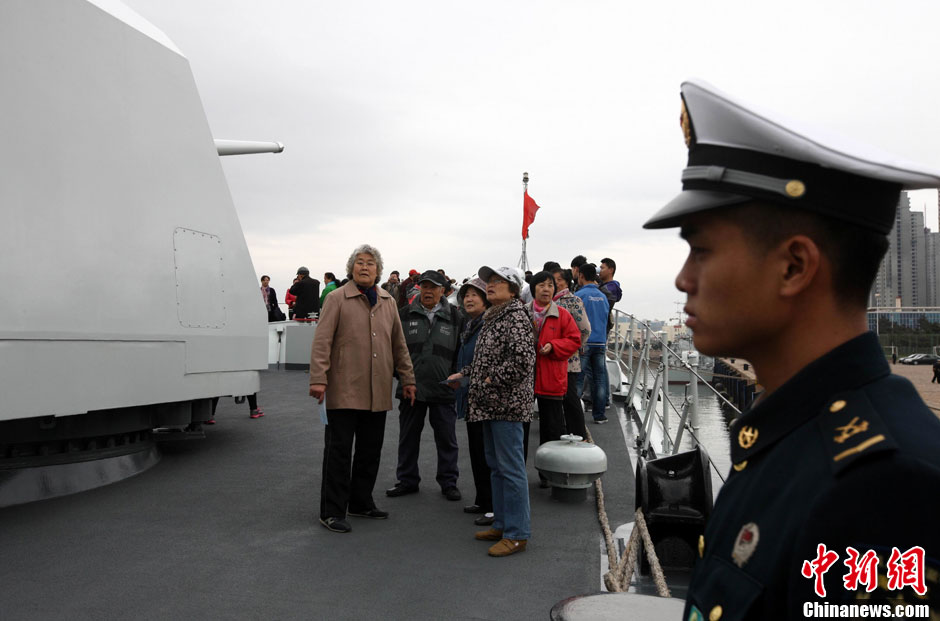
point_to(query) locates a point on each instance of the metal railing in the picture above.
(642, 370)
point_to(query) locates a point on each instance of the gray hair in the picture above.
(365, 249)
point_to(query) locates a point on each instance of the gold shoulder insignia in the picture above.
(852, 427)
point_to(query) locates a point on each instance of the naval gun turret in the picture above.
(130, 299)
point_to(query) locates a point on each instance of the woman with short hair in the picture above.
(501, 394)
(557, 338)
(358, 344)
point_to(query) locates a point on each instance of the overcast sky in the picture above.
(408, 125)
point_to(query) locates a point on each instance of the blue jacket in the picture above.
(468, 342)
(596, 306)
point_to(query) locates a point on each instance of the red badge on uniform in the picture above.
(745, 543)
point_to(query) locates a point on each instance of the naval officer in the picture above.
(834, 494)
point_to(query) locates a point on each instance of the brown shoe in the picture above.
(489, 535)
(505, 547)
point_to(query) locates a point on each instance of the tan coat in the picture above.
(356, 348)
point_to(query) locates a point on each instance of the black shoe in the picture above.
(400, 490)
(375, 514)
(485, 520)
(452, 493)
(336, 525)
(600, 421)
(474, 509)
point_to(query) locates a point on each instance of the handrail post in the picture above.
(682, 423)
(634, 376)
(694, 364)
(649, 419)
(666, 448)
(646, 363)
(630, 345)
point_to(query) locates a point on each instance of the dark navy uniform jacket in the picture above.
(844, 454)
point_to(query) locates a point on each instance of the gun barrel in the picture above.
(243, 147)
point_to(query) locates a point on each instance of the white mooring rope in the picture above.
(618, 578)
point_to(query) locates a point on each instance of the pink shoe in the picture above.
(211, 421)
(256, 413)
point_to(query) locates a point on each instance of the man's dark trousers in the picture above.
(443, 419)
(339, 489)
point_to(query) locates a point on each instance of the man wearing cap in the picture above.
(307, 291)
(837, 458)
(432, 331)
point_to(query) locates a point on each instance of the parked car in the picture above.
(919, 359)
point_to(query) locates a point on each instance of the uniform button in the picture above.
(715, 614)
(701, 546)
(373, 334)
(838, 405)
(741, 466)
(375, 355)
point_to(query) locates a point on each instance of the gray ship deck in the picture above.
(226, 527)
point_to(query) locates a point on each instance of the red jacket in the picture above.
(551, 370)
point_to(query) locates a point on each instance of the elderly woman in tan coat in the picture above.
(357, 346)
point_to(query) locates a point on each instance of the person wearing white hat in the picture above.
(786, 230)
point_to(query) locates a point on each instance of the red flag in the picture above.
(528, 213)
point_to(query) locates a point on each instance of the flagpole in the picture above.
(524, 260)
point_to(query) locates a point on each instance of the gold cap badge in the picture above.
(686, 123)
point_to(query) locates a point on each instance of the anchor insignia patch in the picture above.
(853, 427)
(747, 437)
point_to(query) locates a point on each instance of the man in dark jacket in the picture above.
(609, 287)
(432, 331)
(307, 291)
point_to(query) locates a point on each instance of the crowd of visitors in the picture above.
(509, 340)
(512, 339)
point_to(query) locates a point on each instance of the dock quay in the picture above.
(745, 382)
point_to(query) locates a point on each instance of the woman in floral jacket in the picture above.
(501, 393)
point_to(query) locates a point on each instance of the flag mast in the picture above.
(523, 260)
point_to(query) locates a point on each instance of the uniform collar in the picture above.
(848, 366)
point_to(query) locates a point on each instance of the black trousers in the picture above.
(481, 472)
(551, 419)
(574, 414)
(443, 419)
(342, 489)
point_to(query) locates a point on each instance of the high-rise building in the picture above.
(909, 275)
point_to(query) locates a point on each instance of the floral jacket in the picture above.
(573, 304)
(505, 353)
